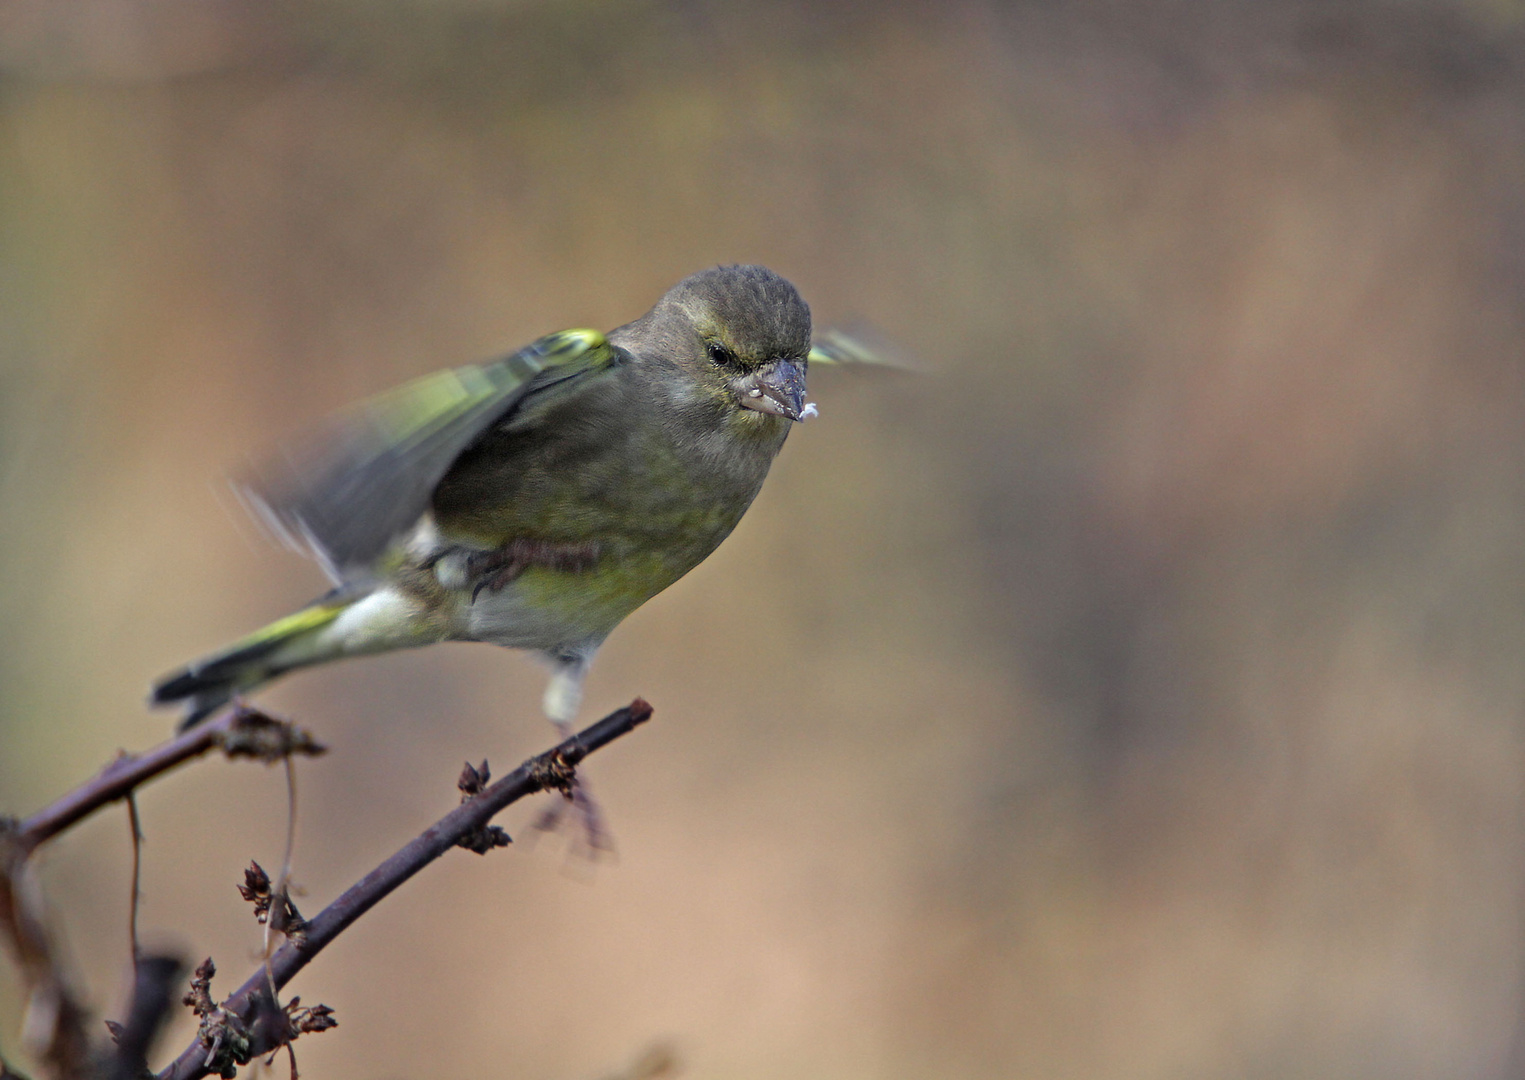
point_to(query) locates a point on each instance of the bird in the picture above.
(534, 501)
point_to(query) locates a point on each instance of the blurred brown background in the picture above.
(1138, 695)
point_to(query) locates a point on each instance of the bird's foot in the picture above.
(492, 570)
(577, 811)
(580, 814)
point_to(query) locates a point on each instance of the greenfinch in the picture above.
(533, 502)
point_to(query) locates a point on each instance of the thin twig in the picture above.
(553, 769)
(278, 908)
(291, 826)
(137, 874)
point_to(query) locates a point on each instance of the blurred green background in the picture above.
(1137, 694)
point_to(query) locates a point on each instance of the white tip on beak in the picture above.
(809, 410)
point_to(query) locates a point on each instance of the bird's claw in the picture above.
(492, 570)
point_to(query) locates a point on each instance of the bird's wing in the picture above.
(839, 348)
(361, 481)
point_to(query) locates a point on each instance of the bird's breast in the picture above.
(640, 505)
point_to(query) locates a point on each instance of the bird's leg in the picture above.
(563, 694)
(563, 697)
(494, 569)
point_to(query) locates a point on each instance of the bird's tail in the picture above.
(211, 682)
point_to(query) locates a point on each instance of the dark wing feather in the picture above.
(363, 480)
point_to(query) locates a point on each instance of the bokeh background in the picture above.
(1136, 692)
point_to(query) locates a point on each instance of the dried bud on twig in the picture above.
(223, 1033)
(304, 1021)
(473, 781)
(259, 735)
(282, 916)
(554, 771)
(256, 890)
(280, 1028)
(199, 996)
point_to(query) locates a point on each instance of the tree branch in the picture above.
(240, 732)
(251, 1003)
(153, 991)
(57, 1018)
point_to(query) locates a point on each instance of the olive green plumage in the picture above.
(536, 501)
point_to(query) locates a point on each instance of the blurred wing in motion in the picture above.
(841, 348)
(349, 491)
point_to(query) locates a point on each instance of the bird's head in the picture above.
(742, 335)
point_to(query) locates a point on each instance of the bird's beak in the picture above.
(777, 389)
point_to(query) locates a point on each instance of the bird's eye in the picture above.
(721, 356)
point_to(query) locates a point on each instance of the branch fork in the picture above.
(249, 1022)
